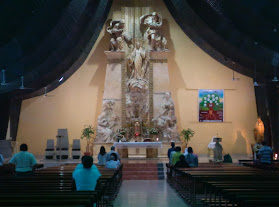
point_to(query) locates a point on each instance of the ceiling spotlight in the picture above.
(60, 79)
(3, 83)
(256, 84)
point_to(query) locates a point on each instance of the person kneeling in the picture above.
(181, 163)
(113, 163)
(86, 178)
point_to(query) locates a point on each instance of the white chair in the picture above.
(49, 152)
(76, 149)
(62, 144)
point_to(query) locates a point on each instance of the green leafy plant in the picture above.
(87, 133)
(187, 134)
(153, 131)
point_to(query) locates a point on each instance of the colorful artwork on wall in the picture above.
(211, 105)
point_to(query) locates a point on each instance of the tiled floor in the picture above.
(147, 193)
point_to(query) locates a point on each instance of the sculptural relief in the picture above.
(154, 34)
(137, 84)
(137, 63)
(117, 37)
(107, 122)
(166, 120)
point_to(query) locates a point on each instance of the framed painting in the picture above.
(211, 105)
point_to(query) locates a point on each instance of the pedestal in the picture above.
(151, 152)
(123, 153)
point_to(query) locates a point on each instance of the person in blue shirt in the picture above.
(25, 162)
(80, 165)
(191, 158)
(113, 163)
(86, 178)
(171, 150)
(112, 151)
(102, 156)
(265, 154)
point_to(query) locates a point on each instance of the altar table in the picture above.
(151, 148)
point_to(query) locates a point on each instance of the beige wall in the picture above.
(78, 101)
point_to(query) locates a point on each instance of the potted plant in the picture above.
(187, 134)
(87, 133)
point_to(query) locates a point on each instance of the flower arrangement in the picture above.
(187, 134)
(153, 131)
(122, 131)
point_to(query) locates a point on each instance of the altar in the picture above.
(151, 148)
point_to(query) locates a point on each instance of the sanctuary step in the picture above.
(142, 171)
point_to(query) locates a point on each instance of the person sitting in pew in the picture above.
(25, 162)
(112, 151)
(113, 163)
(102, 156)
(80, 166)
(265, 154)
(191, 158)
(175, 156)
(170, 150)
(86, 178)
(181, 163)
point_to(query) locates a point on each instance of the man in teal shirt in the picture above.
(25, 162)
(85, 179)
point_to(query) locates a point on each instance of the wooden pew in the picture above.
(55, 183)
(226, 185)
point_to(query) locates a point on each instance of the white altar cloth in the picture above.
(120, 145)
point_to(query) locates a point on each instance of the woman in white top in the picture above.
(102, 156)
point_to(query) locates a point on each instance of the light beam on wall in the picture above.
(3, 83)
(22, 82)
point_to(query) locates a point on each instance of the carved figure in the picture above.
(117, 37)
(166, 120)
(154, 35)
(104, 132)
(259, 131)
(137, 62)
(107, 122)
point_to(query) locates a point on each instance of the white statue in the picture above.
(154, 35)
(107, 122)
(137, 62)
(117, 37)
(166, 120)
(104, 133)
